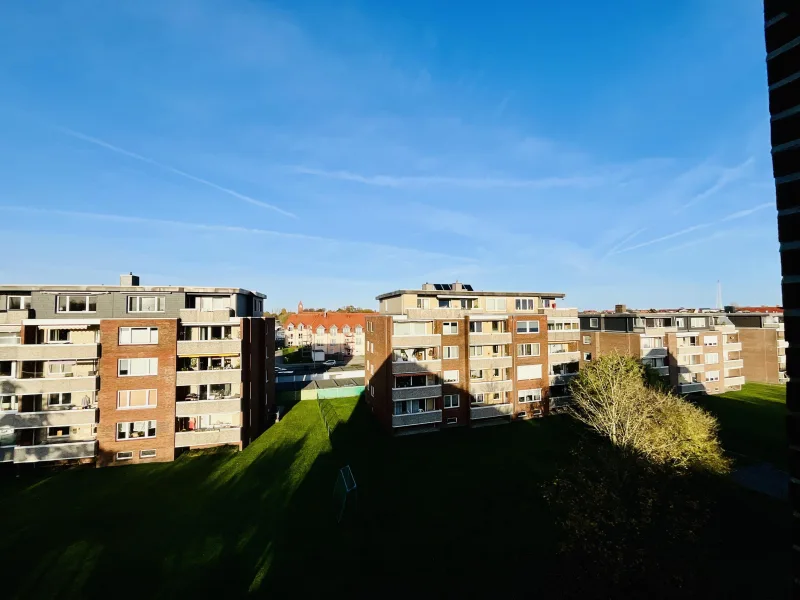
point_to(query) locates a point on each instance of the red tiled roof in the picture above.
(760, 309)
(315, 319)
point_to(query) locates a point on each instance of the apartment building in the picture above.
(130, 373)
(447, 355)
(764, 344)
(336, 334)
(696, 351)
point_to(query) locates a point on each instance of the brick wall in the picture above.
(713, 387)
(461, 339)
(760, 354)
(110, 383)
(378, 374)
(529, 384)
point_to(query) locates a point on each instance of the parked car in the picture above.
(329, 363)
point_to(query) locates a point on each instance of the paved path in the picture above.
(764, 478)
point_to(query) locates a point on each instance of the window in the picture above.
(423, 302)
(594, 322)
(452, 420)
(346, 329)
(18, 302)
(9, 338)
(710, 340)
(334, 330)
(60, 367)
(8, 403)
(712, 358)
(370, 327)
(527, 326)
(450, 327)
(138, 335)
(128, 367)
(587, 339)
(525, 303)
(697, 322)
(147, 453)
(680, 322)
(451, 400)
(450, 352)
(557, 348)
(528, 350)
(136, 430)
(145, 303)
(648, 343)
(407, 381)
(58, 336)
(476, 373)
(587, 356)
(7, 368)
(405, 407)
(58, 431)
(529, 372)
(526, 396)
(56, 399)
(209, 303)
(493, 303)
(124, 455)
(712, 375)
(258, 306)
(70, 304)
(137, 398)
(450, 376)
(654, 362)
(412, 328)
(320, 330)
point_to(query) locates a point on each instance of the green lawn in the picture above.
(752, 422)
(455, 513)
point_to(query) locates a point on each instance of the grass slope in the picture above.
(459, 512)
(752, 422)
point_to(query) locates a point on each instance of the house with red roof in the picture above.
(335, 333)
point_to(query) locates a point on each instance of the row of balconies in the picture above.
(435, 416)
(92, 351)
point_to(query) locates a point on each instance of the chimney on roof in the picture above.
(458, 287)
(427, 286)
(325, 314)
(129, 280)
(620, 308)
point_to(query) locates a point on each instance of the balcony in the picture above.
(417, 393)
(690, 388)
(190, 408)
(490, 362)
(558, 312)
(6, 454)
(779, 326)
(194, 315)
(562, 379)
(559, 401)
(690, 350)
(208, 437)
(783, 344)
(654, 352)
(563, 357)
(564, 336)
(48, 385)
(734, 364)
(783, 377)
(732, 347)
(421, 418)
(48, 418)
(49, 352)
(421, 366)
(490, 411)
(731, 381)
(488, 387)
(209, 376)
(661, 370)
(211, 347)
(694, 368)
(441, 313)
(655, 331)
(15, 317)
(416, 341)
(61, 451)
(489, 339)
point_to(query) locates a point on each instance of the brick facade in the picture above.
(760, 354)
(111, 383)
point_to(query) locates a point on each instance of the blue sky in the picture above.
(331, 153)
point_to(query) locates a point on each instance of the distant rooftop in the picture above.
(463, 289)
(761, 310)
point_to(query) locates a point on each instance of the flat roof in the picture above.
(644, 313)
(467, 294)
(124, 288)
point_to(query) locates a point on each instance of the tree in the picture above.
(611, 397)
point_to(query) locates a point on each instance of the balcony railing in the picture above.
(208, 376)
(421, 366)
(733, 346)
(208, 437)
(661, 370)
(694, 368)
(195, 315)
(490, 411)
(690, 350)
(783, 344)
(420, 418)
(562, 379)
(488, 387)
(731, 381)
(490, 362)
(217, 347)
(51, 385)
(31, 352)
(416, 341)
(48, 418)
(417, 393)
(734, 364)
(559, 312)
(15, 317)
(688, 388)
(58, 451)
(190, 408)
(489, 339)
(6, 454)
(653, 352)
(563, 357)
(564, 336)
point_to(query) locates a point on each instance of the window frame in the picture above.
(160, 300)
(711, 373)
(529, 393)
(449, 352)
(450, 397)
(523, 354)
(86, 298)
(452, 326)
(127, 405)
(444, 376)
(527, 330)
(594, 322)
(587, 357)
(129, 374)
(524, 304)
(23, 304)
(587, 340)
(153, 455)
(693, 322)
(130, 330)
(534, 368)
(147, 428)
